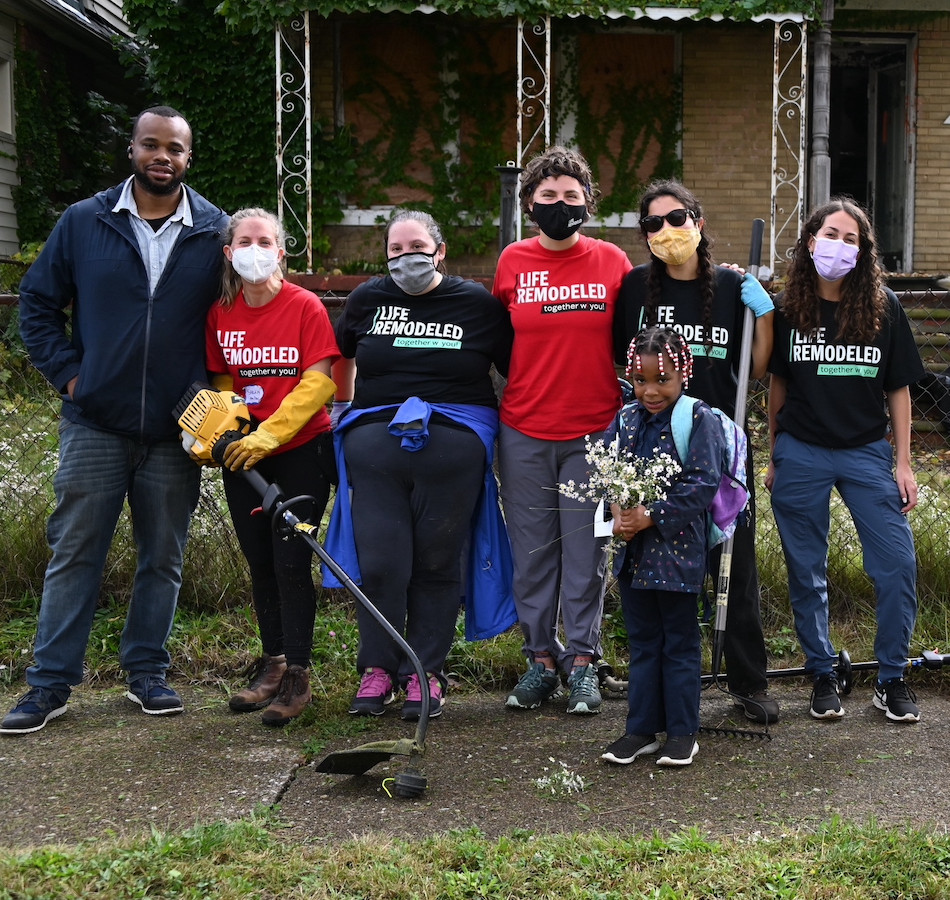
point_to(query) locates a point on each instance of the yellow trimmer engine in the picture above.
(206, 415)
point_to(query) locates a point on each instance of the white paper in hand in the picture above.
(602, 527)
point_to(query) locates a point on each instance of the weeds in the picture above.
(559, 781)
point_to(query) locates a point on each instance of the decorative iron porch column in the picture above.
(294, 135)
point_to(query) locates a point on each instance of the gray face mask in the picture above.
(413, 272)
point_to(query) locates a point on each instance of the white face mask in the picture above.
(255, 263)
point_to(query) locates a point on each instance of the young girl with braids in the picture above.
(683, 288)
(664, 560)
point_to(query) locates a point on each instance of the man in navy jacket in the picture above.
(134, 270)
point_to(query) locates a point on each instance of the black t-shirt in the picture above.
(715, 356)
(438, 346)
(835, 391)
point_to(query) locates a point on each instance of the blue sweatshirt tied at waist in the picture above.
(489, 599)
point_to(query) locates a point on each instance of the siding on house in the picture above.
(110, 11)
(8, 177)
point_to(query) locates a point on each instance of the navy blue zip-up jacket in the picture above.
(671, 556)
(136, 354)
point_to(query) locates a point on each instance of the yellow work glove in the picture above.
(222, 382)
(295, 410)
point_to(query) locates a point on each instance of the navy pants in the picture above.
(804, 477)
(665, 661)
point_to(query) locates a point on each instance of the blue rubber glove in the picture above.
(337, 412)
(755, 296)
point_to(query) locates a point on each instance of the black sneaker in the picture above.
(759, 707)
(825, 703)
(154, 696)
(678, 751)
(534, 687)
(626, 749)
(897, 700)
(585, 691)
(33, 710)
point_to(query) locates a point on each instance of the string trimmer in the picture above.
(211, 420)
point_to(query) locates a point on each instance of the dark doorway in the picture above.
(869, 137)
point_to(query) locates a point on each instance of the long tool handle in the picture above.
(742, 395)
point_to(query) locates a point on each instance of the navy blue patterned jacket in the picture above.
(671, 556)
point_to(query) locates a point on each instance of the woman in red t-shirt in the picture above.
(271, 342)
(560, 289)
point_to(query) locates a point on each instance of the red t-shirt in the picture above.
(561, 382)
(267, 348)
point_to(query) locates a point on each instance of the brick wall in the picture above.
(727, 128)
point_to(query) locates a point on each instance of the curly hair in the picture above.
(707, 267)
(553, 162)
(862, 307)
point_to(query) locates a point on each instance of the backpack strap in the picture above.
(681, 424)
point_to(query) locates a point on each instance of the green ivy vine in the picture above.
(65, 142)
(260, 15)
(463, 185)
(222, 77)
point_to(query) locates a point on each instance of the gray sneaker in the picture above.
(585, 691)
(534, 687)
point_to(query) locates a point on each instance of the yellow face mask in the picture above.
(675, 246)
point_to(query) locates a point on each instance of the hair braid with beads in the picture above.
(660, 342)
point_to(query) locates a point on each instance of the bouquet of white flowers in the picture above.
(617, 476)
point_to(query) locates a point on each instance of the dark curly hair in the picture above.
(551, 163)
(707, 266)
(863, 304)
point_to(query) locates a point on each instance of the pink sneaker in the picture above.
(375, 693)
(412, 708)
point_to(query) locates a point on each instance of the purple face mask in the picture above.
(833, 259)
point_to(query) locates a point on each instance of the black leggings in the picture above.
(281, 570)
(412, 513)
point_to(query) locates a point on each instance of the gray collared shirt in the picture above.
(155, 246)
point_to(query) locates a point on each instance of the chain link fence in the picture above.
(215, 574)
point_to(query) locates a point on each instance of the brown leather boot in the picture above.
(265, 674)
(292, 697)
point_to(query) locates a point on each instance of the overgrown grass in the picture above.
(250, 859)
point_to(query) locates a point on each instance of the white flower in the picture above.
(622, 478)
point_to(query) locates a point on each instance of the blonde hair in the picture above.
(231, 282)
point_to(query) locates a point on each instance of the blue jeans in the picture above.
(804, 477)
(97, 471)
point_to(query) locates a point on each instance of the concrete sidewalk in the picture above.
(105, 769)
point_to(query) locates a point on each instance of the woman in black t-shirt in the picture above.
(843, 360)
(417, 444)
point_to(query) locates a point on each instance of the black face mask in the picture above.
(558, 220)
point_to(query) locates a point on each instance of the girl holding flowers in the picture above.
(664, 559)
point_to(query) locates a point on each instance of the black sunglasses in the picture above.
(675, 217)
